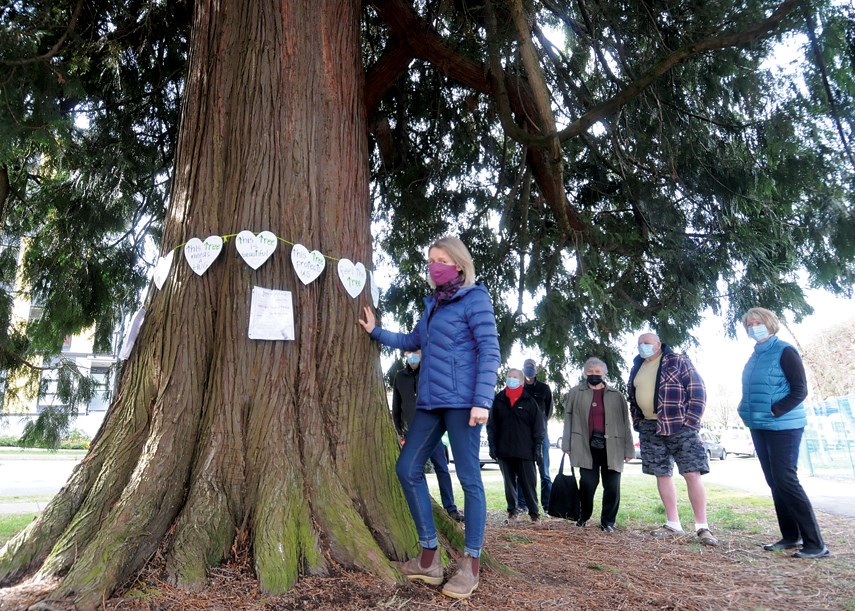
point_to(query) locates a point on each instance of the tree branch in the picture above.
(820, 62)
(4, 191)
(679, 56)
(424, 43)
(541, 94)
(24, 361)
(379, 78)
(57, 45)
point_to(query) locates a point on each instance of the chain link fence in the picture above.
(828, 445)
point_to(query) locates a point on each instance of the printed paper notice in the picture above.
(271, 314)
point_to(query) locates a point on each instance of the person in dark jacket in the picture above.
(404, 392)
(460, 359)
(541, 393)
(515, 433)
(598, 438)
(773, 388)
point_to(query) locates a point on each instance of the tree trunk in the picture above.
(214, 435)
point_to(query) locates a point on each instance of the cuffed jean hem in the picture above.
(422, 438)
(429, 543)
(474, 553)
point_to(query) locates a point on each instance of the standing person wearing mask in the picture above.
(404, 393)
(460, 359)
(515, 433)
(598, 438)
(773, 388)
(541, 393)
(667, 399)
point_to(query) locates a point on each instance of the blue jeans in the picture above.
(422, 439)
(443, 478)
(778, 452)
(545, 480)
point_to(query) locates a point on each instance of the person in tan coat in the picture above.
(598, 439)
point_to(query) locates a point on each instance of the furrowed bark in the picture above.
(286, 446)
(136, 524)
(76, 511)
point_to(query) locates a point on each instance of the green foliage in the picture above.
(88, 122)
(75, 439)
(712, 187)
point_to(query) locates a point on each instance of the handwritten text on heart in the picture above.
(201, 254)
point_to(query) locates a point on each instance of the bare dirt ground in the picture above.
(554, 565)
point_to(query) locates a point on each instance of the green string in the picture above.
(231, 235)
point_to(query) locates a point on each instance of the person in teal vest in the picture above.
(773, 388)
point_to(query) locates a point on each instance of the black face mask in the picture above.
(595, 380)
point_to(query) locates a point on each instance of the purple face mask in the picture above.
(442, 273)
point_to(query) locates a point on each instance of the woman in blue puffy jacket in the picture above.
(773, 388)
(460, 359)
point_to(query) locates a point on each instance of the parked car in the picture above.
(555, 431)
(738, 441)
(713, 446)
(483, 452)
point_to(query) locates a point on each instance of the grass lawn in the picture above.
(728, 509)
(10, 524)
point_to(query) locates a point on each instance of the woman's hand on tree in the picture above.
(370, 321)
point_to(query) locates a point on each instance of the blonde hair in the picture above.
(459, 254)
(767, 317)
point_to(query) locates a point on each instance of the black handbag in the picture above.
(564, 499)
(598, 440)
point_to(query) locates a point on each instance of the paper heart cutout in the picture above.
(375, 291)
(255, 249)
(352, 276)
(308, 265)
(201, 254)
(131, 335)
(161, 270)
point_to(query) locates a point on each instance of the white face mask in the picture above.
(645, 350)
(758, 332)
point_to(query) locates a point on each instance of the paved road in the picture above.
(39, 475)
(45, 475)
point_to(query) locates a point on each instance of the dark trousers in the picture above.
(589, 479)
(778, 452)
(545, 480)
(440, 467)
(518, 472)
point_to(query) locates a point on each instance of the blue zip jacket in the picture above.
(460, 350)
(766, 387)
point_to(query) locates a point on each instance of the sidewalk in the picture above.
(834, 496)
(25, 507)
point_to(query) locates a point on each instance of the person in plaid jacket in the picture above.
(667, 398)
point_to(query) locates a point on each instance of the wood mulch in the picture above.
(556, 565)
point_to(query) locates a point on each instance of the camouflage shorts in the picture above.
(660, 452)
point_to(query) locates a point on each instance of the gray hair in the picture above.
(595, 362)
